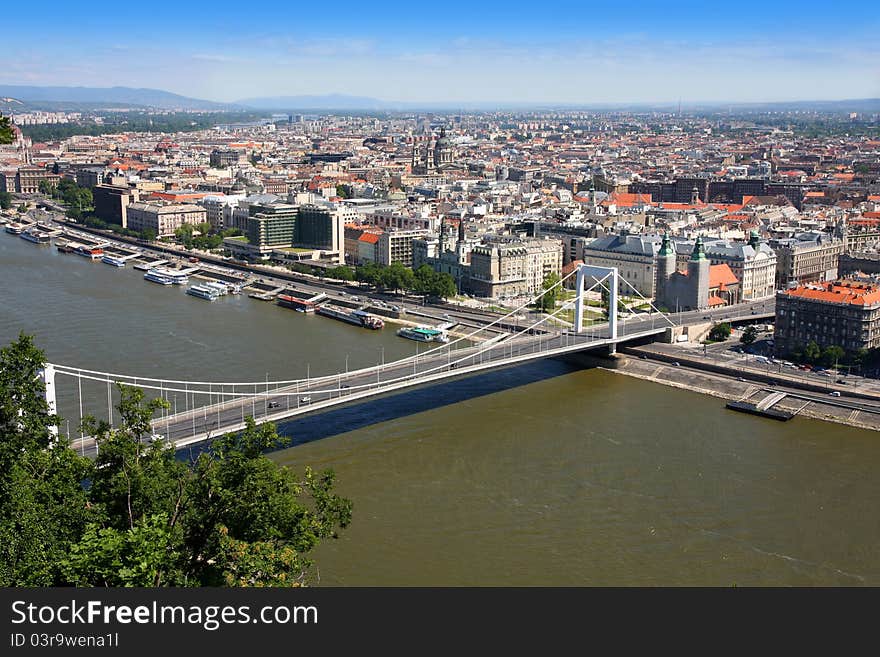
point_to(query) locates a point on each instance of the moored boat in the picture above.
(202, 292)
(110, 260)
(155, 277)
(423, 334)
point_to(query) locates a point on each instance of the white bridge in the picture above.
(212, 408)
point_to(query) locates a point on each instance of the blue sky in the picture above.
(505, 52)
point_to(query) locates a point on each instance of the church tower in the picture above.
(695, 195)
(664, 271)
(754, 239)
(698, 277)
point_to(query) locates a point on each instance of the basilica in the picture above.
(430, 157)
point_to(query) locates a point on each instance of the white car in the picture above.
(156, 437)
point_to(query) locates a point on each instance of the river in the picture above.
(545, 474)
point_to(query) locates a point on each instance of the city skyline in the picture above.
(569, 54)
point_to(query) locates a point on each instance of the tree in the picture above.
(720, 332)
(832, 355)
(5, 200)
(233, 517)
(340, 191)
(341, 273)
(812, 353)
(547, 302)
(749, 335)
(443, 286)
(22, 208)
(7, 135)
(606, 300)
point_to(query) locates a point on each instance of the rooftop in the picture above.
(841, 292)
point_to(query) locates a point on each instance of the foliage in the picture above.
(138, 121)
(812, 353)
(439, 285)
(341, 273)
(606, 299)
(832, 355)
(749, 335)
(7, 136)
(5, 200)
(547, 303)
(341, 191)
(720, 332)
(145, 518)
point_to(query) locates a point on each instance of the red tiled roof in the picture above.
(716, 301)
(369, 238)
(843, 292)
(721, 276)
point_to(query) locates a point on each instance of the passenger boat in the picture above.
(155, 277)
(110, 260)
(174, 276)
(368, 321)
(35, 236)
(202, 292)
(14, 228)
(423, 334)
(66, 247)
(220, 289)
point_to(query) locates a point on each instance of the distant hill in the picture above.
(326, 102)
(121, 96)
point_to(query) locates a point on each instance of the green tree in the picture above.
(7, 135)
(341, 191)
(720, 332)
(43, 506)
(369, 273)
(233, 517)
(606, 300)
(749, 335)
(832, 355)
(22, 208)
(443, 286)
(812, 352)
(148, 234)
(5, 200)
(547, 302)
(341, 273)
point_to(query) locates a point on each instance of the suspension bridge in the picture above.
(213, 408)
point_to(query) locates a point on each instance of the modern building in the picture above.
(112, 201)
(397, 246)
(272, 225)
(162, 218)
(842, 313)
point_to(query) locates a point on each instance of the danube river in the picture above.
(538, 475)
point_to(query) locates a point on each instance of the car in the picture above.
(305, 400)
(841, 382)
(156, 437)
(446, 315)
(676, 364)
(274, 404)
(739, 378)
(834, 393)
(643, 357)
(345, 385)
(395, 308)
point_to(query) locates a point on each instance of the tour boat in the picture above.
(156, 277)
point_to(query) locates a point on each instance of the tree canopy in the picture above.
(139, 516)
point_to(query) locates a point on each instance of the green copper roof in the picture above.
(699, 253)
(666, 247)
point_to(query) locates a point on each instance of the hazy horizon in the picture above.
(564, 54)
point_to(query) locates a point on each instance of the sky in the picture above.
(481, 51)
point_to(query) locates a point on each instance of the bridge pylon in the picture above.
(598, 275)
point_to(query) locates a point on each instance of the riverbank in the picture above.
(730, 387)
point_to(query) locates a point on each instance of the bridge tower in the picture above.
(603, 275)
(47, 376)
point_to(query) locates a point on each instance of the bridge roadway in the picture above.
(437, 363)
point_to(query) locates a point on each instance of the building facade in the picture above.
(163, 219)
(842, 313)
(806, 258)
